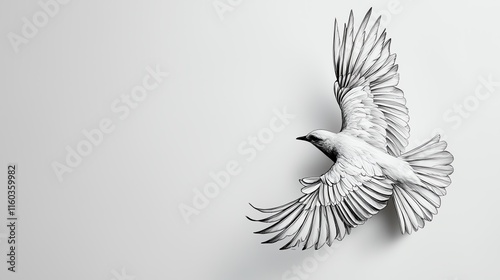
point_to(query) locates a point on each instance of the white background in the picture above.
(117, 213)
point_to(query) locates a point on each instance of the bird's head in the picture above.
(323, 140)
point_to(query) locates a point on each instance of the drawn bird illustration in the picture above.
(370, 165)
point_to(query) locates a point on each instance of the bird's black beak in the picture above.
(303, 138)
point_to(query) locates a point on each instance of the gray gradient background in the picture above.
(119, 210)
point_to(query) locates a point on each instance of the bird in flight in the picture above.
(370, 165)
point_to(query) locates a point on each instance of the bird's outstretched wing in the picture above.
(373, 108)
(347, 195)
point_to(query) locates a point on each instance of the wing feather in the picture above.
(334, 203)
(373, 108)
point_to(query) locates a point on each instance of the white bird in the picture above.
(369, 163)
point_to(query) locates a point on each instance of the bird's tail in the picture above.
(416, 204)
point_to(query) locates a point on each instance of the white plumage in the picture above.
(370, 166)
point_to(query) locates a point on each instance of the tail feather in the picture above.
(414, 203)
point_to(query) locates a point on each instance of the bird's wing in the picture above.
(345, 196)
(373, 108)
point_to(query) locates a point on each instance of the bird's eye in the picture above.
(313, 138)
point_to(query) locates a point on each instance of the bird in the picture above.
(370, 163)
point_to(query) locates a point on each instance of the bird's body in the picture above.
(370, 161)
(357, 150)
